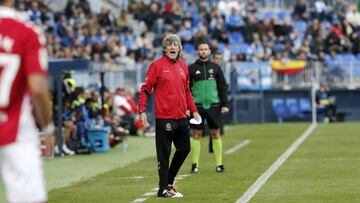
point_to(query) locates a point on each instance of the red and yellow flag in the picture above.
(288, 67)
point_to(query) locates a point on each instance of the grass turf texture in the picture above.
(323, 169)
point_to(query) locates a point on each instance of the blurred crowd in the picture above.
(320, 30)
(238, 28)
(82, 110)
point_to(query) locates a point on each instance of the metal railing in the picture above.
(343, 74)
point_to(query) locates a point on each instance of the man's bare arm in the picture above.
(41, 99)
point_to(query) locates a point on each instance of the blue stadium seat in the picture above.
(279, 108)
(300, 26)
(189, 48)
(293, 107)
(356, 68)
(260, 15)
(236, 37)
(282, 15)
(305, 105)
(270, 14)
(234, 49)
(221, 46)
(243, 48)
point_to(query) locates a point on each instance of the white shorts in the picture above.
(22, 172)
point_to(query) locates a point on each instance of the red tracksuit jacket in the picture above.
(170, 82)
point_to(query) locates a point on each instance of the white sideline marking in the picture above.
(237, 147)
(153, 192)
(149, 194)
(266, 175)
(139, 200)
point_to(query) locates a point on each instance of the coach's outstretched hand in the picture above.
(197, 116)
(143, 119)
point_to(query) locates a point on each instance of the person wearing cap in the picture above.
(168, 78)
(209, 88)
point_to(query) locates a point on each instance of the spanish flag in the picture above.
(288, 67)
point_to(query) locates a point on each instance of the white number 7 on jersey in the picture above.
(9, 63)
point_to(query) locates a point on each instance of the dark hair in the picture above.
(202, 42)
(218, 53)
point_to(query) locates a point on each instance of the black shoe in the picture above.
(220, 169)
(194, 168)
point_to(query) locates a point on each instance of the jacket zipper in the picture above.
(205, 78)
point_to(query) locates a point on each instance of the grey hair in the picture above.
(171, 38)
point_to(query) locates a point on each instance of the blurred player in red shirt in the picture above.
(23, 86)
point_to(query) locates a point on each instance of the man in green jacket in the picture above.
(209, 89)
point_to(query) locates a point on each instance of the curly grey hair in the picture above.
(171, 38)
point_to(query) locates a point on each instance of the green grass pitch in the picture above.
(325, 168)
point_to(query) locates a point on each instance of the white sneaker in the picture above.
(173, 188)
(170, 194)
(66, 150)
(57, 151)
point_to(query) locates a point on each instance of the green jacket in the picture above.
(208, 84)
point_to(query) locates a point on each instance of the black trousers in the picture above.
(170, 131)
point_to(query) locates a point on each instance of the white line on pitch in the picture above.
(267, 174)
(237, 147)
(139, 200)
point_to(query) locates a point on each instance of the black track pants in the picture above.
(168, 131)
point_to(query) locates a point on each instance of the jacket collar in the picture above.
(198, 61)
(169, 60)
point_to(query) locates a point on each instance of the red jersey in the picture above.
(170, 81)
(22, 53)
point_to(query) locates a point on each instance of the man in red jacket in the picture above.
(168, 78)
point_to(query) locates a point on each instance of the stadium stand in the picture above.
(125, 37)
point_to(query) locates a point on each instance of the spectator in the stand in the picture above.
(219, 29)
(256, 49)
(200, 35)
(320, 9)
(34, 12)
(287, 28)
(251, 9)
(223, 7)
(250, 28)
(314, 30)
(151, 17)
(70, 9)
(234, 20)
(355, 38)
(239, 6)
(127, 39)
(299, 12)
(79, 98)
(339, 9)
(123, 109)
(69, 131)
(353, 16)
(265, 29)
(106, 19)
